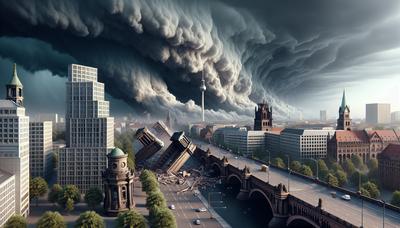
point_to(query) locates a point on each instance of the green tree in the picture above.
(69, 205)
(358, 178)
(89, 219)
(357, 161)
(372, 164)
(349, 167)
(69, 192)
(51, 220)
(37, 188)
(93, 197)
(332, 180)
(54, 193)
(365, 192)
(130, 219)
(279, 162)
(342, 177)
(372, 189)
(396, 198)
(162, 218)
(336, 166)
(16, 221)
(306, 170)
(149, 181)
(155, 198)
(295, 166)
(322, 169)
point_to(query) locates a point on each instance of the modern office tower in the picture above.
(344, 121)
(89, 130)
(7, 196)
(322, 116)
(240, 140)
(14, 146)
(262, 117)
(395, 117)
(377, 113)
(40, 148)
(303, 143)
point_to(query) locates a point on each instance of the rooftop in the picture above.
(116, 152)
(392, 152)
(351, 136)
(4, 176)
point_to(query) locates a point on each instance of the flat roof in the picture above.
(4, 176)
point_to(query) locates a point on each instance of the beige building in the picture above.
(14, 151)
(7, 196)
(89, 130)
(40, 148)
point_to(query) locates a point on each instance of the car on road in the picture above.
(201, 209)
(197, 222)
(333, 194)
(346, 197)
(236, 157)
(172, 207)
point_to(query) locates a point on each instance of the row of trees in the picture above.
(54, 220)
(362, 175)
(65, 197)
(159, 215)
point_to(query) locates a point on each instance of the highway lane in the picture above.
(185, 208)
(310, 192)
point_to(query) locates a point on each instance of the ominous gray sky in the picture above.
(298, 55)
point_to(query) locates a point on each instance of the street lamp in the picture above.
(316, 164)
(362, 209)
(383, 213)
(288, 168)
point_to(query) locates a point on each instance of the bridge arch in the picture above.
(256, 191)
(216, 168)
(233, 177)
(308, 223)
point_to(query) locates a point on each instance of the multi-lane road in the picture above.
(185, 208)
(310, 192)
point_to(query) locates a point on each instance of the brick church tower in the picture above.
(344, 121)
(263, 117)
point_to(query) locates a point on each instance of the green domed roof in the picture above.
(116, 152)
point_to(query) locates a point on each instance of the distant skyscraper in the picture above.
(168, 120)
(202, 89)
(377, 113)
(322, 116)
(89, 130)
(395, 117)
(40, 148)
(263, 117)
(344, 121)
(14, 152)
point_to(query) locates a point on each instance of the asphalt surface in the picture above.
(310, 192)
(185, 208)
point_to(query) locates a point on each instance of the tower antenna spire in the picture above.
(202, 89)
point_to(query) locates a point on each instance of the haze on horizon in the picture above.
(298, 55)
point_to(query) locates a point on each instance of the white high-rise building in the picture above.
(377, 113)
(89, 130)
(304, 143)
(14, 153)
(322, 116)
(40, 148)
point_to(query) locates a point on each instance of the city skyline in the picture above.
(297, 64)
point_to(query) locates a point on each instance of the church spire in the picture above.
(343, 106)
(14, 88)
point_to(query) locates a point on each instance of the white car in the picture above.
(172, 207)
(346, 197)
(197, 222)
(201, 209)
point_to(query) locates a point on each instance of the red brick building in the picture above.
(366, 144)
(389, 166)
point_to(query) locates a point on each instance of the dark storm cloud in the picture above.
(152, 53)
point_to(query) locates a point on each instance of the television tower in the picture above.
(202, 89)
